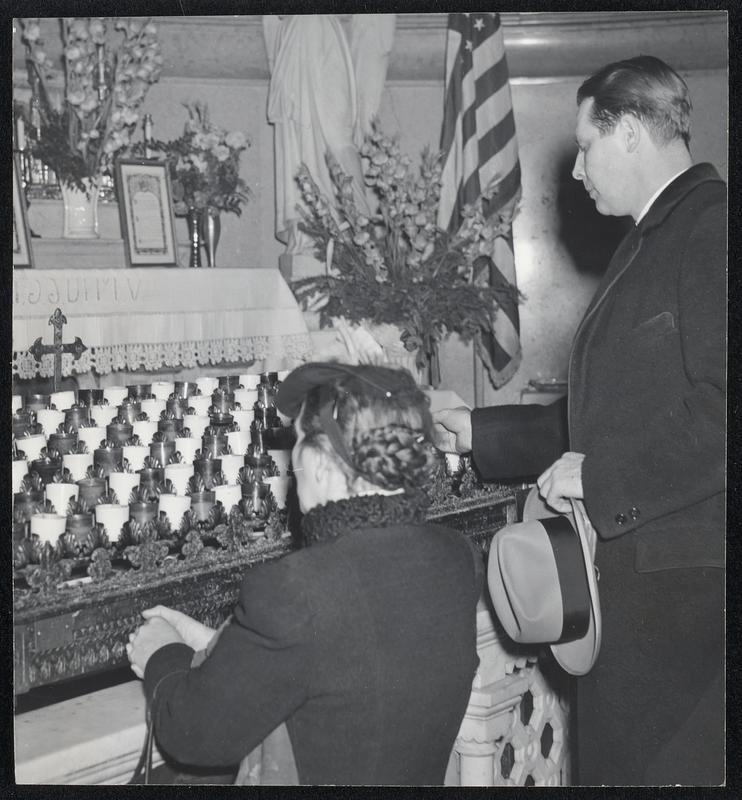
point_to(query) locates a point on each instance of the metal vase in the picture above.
(210, 229)
(194, 237)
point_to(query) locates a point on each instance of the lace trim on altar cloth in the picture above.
(111, 358)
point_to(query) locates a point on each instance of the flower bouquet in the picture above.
(108, 64)
(205, 164)
(398, 266)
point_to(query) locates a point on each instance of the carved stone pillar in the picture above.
(514, 732)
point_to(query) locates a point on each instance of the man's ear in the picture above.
(632, 131)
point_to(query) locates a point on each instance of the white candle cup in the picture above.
(228, 496)
(20, 470)
(103, 414)
(246, 397)
(145, 429)
(282, 459)
(77, 464)
(187, 447)
(200, 403)
(207, 385)
(112, 517)
(153, 407)
(49, 419)
(32, 446)
(91, 436)
(162, 389)
(122, 483)
(135, 455)
(115, 394)
(62, 400)
(231, 465)
(279, 488)
(250, 380)
(175, 506)
(453, 462)
(48, 527)
(238, 441)
(179, 475)
(16, 403)
(196, 424)
(59, 495)
(243, 417)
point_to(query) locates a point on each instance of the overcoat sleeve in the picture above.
(256, 676)
(513, 441)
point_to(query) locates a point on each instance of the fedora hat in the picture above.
(543, 585)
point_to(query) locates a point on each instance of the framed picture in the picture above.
(22, 256)
(146, 212)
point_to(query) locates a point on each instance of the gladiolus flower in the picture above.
(31, 32)
(236, 140)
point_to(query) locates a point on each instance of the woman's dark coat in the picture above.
(364, 643)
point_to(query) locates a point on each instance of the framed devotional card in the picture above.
(146, 213)
(22, 256)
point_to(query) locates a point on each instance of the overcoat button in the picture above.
(620, 519)
(634, 513)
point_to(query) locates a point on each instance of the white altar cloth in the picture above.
(151, 318)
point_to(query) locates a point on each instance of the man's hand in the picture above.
(146, 640)
(192, 632)
(452, 430)
(562, 481)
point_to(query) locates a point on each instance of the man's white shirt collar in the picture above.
(656, 195)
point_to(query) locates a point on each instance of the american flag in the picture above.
(479, 145)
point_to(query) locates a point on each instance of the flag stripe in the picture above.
(479, 145)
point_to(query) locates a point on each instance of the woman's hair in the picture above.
(387, 434)
(645, 87)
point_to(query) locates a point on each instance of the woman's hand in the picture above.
(192, 632)
(146, 640)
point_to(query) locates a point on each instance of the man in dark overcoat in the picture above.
(644, 429)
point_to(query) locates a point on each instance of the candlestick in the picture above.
(147, 124)
(20, 133)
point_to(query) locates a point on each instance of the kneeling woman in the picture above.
(364, 641)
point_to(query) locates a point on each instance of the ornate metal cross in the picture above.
(77, 348)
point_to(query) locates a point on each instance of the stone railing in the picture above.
(515, 731)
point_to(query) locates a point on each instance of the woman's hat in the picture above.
(543, 584)
(384, 381)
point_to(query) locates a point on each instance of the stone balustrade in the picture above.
(515, 731)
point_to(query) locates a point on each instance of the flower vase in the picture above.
(80, 210)
(210, 227)
(194, 238)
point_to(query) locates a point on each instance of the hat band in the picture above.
(573, 586)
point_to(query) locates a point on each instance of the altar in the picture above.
(155, 319)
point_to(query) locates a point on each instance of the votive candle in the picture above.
(115, 394)
(77, 463)
(63, 400)
(179, 475)
(112, 517)
(48, 527)
(59, 495)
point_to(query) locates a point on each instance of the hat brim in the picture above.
(299, 382)
(576, 657)
(293, 390)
